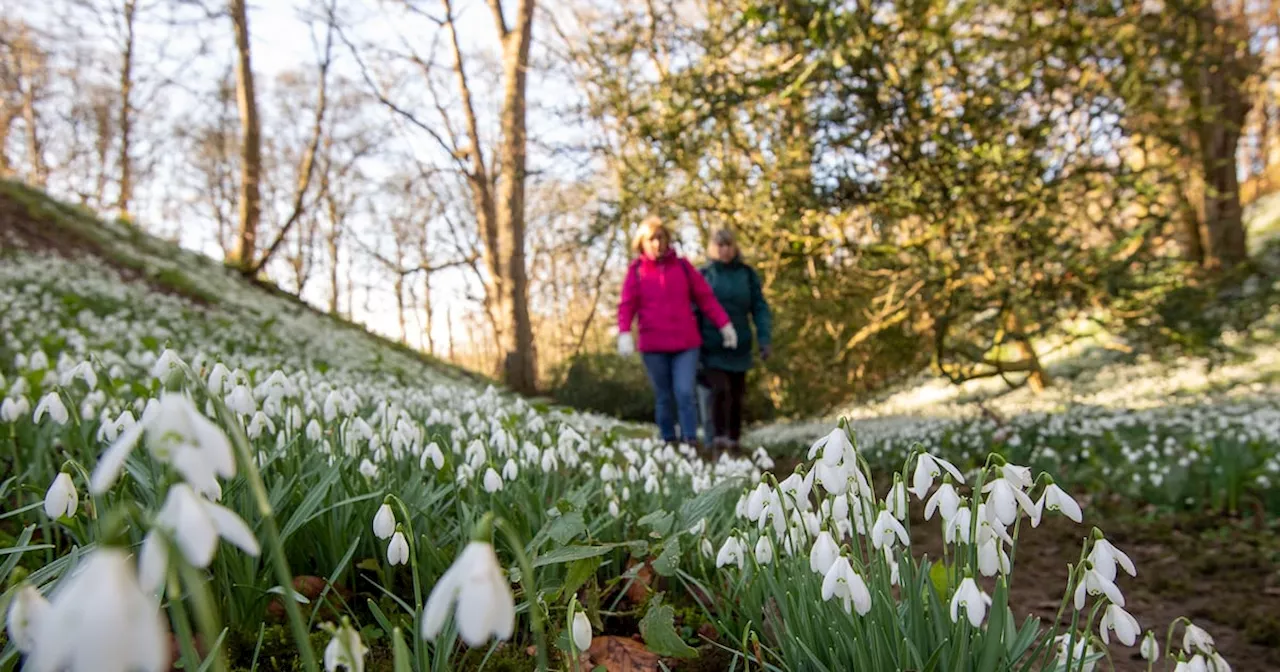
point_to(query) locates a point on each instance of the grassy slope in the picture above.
(32, 221)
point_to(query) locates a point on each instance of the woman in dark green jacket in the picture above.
(737, 288)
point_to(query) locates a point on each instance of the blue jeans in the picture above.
(672, 375)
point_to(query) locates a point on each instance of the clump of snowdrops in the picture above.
(820, 573)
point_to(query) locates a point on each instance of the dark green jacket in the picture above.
(737, 288)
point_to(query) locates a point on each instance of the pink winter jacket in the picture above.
(658, 292)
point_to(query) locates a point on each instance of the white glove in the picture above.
(730, 336)
(626, 344)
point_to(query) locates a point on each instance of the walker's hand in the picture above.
(730, 336)
(626, 345)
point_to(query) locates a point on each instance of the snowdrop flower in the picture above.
(991, 557)
(1126, 626)
(1095, 583)
(99, 620)
(730, 553)
(764, 550)
(1194, 638)
(1056, 499)
(957, 528)
(509, 470)
(581, 631)
(259, 423)
(928, 468)
(13, 408)
(398, 549)
(1002, 501)
(368, 469)
(176, 433)
(756, 502)
(1077, 648)
(706, 548)
(82, 371)
(842, 582)
(1105, 557)
(885, 529)
(945, 501)
(168, 363)
(492, 481)
(974, 601)
(1150, 648)
(834, 446)
(345, 650)
(314, 431)
(896, 502)
(432, 453)
(195, 525)
(823, 554)
(241, 400)
(61, 497)
(474, 583)
(384, 522)
(26, 612)
(51, 405)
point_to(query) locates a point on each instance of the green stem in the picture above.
(206, 617)
(181, 623)
(274, 544)
(411, 537)
(530, 594)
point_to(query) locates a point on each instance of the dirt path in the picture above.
(1224, 575)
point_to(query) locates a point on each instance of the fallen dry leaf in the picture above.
(621, 654)
(639, 588)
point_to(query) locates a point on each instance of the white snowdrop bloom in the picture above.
(168, 364)
(581, 631)
(1055, 499)
(195, 524)
(433, 455)
(764, 550)
(258, 424)
(398, 549)
(346, 650)
(928, 468)
(945, 500)
(313, 431)
(886, 528)
(958, 529)
(510, 471)
(492, 481)
(974, 602)
(1077, 651)
(706, 548)
(823, 554)
(1194, 638)
(731, 552)
(1105, 557)
(26, 612)
(13, 408)
(61, 498)
(991, 557)
(176, 433)
(549, 463)
(1125, 626)
(38, 361)
(1095, 583)
(1150, 648)
(474, 583)
(1018, 476)
(217, 378)
(842, 582)
(896, 502)
(384, 522)
(368, 469)
(651, 485)
(84, 371)
(100, 620)
(613, 508)
(51, 405)
(756, 501)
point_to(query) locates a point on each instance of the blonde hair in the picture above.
(648, 228)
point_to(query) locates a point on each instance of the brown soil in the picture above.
(1223, 574)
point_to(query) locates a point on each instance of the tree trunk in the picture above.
(1221, 103)
(35, 147)
(125, 199)
(519, 364)
(6, 124)
(251, 139)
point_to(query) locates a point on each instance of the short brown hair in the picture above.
(650, 226)
(724, 237)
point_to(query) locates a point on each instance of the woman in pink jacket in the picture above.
(660, 291)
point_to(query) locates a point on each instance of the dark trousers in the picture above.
(727, 390)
